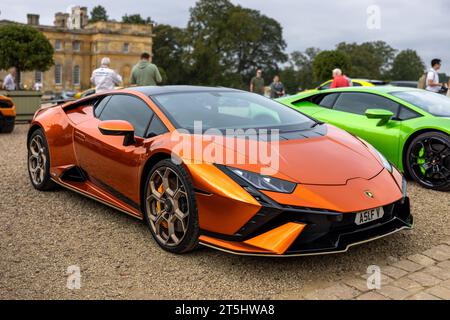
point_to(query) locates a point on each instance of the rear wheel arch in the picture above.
(408, 142)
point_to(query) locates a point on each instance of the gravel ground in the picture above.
(41, 234)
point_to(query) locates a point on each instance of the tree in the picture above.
(298, 75)
(370, 60)
(25, 48)
(234, 42)
(302, 62)
(98, 13)
(136, 19)
(289, 77)
(169, 50)
(326, 61)
(407, 65)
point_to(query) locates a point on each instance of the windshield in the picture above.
(433, 103)
(229, 110)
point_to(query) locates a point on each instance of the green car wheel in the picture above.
(429, 160)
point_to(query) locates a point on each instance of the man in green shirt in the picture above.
(257, 83)
(145, 73)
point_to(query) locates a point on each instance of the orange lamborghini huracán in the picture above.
(221, 168)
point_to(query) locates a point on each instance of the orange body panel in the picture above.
(279, 239)
(275, 241)
(8, 112)
(347, 198)
(333, 172)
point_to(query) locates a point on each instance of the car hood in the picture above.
(331, 158)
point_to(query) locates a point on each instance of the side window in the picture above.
(356, 84)
(328, 100)
(156, 127)
(407, 113)
(128, 108)
(100, 105)
(358, 103)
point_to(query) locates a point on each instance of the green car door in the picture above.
(347, 110)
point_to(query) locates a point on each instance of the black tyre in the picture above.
(428, 160)
(170, 207)
(7, 127)
(39, 162)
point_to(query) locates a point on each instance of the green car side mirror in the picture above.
(382, 114)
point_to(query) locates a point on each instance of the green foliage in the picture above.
(169, 52)
(298, 75)
(25, 48)
(232, 42)
(371, 60)
(289, 77)
(136, 19)
(326, 61)
(407, 65)
(98, 13)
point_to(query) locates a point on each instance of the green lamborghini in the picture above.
(411, 127)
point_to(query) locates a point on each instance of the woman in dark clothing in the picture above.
(276, 88)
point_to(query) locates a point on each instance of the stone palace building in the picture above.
(79, 47)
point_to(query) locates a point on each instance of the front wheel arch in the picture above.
(151, 162)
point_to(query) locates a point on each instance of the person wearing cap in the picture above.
(145, 73)
(105, 78)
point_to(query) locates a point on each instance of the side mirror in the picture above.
(384, 115)
(118, 128)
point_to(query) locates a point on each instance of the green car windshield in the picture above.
(433, 103)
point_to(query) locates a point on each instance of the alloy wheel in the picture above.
(37, 160)
(168, 207)
(429, 160)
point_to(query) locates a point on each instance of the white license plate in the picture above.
(369, 216)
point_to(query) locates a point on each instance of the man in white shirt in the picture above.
(9, 83)
(104, 78)
(37, 86)
(433, 83)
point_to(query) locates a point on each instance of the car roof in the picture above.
(376, 89)
(157, 90)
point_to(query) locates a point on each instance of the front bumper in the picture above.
(324, 232)
(340, 236)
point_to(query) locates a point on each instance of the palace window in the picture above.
(76, 45)
(126, 47)
(58, 45)
(58, 74)
(38, 76)
(76, 75)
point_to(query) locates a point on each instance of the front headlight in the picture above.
(264, 182)
(386, 163)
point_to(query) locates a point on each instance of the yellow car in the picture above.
(355, 83)
(7, 114)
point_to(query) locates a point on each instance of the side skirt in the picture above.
(98, 199)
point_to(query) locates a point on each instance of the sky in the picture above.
(404, 24)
